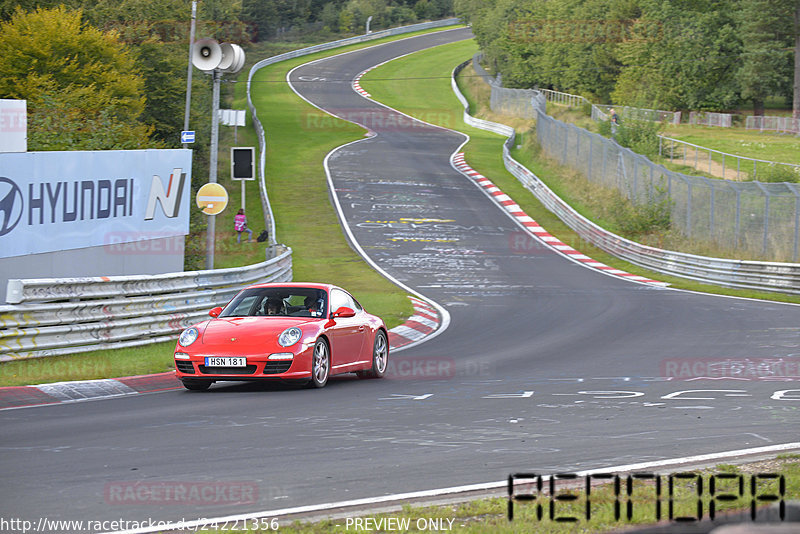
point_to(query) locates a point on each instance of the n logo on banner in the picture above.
(171, 200)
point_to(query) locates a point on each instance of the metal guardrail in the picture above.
(564, 99)
(67, 316)
(269, 220)
(642, 114)
(754, 275)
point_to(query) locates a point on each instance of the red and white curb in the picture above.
(424, 322)
(536, 230)
(357, 84)
(83, 390)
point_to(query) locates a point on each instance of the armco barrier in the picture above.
(65, 316)
(763, 276)
(269, 220)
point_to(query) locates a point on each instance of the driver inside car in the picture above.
(273, 307)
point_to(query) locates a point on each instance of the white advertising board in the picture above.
(52, 201)
(13, 125)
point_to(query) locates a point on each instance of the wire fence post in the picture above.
(688, 209)
(793, 189)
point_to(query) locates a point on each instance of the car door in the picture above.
(348, 332)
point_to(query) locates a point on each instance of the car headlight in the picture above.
(188, 337)
(290, 336)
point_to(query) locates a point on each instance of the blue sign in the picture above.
(187, 136)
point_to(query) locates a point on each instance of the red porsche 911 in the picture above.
(287, 331)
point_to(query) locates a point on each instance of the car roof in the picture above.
(312, 285)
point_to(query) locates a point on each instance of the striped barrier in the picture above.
(67, 316)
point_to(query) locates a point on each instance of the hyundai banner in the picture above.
(51, 201)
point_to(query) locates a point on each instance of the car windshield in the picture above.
(277, 301)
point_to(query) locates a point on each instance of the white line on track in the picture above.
(445, 315)
(361, 506)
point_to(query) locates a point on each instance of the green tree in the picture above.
(680, 56)
(50, 58)
(766, 28)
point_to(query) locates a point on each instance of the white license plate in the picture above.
(219, 361)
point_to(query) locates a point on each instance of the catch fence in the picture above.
(772, 124)
(750, 219)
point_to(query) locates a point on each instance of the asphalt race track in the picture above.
(546, 365)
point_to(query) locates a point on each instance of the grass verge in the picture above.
(419, 85)
(298, 138)
(768, 146)
(491, 515)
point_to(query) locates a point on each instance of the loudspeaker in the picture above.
(232, 58)
(227, 56)
(206, 54)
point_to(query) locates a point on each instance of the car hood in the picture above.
(251, 329)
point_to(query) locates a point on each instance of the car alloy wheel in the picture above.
(380, 357)
(320, 364)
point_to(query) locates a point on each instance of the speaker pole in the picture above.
(212, 171)
(189, 73)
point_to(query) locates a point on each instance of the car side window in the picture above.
(338, 299)
(355, 305)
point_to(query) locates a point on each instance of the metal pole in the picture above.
(766, 222)
(212, 171)
(796, 220)
(189, 72)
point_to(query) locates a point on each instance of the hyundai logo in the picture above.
(10, 205)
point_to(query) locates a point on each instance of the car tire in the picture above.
(196, 385)
(380, 357)
(320, 364)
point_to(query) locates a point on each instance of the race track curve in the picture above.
(546, 365)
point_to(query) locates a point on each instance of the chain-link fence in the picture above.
(772, 124)
(514, 102)
(755, 219)
(706, 118)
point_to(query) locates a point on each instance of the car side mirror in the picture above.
(344, 312)
(214, 312)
